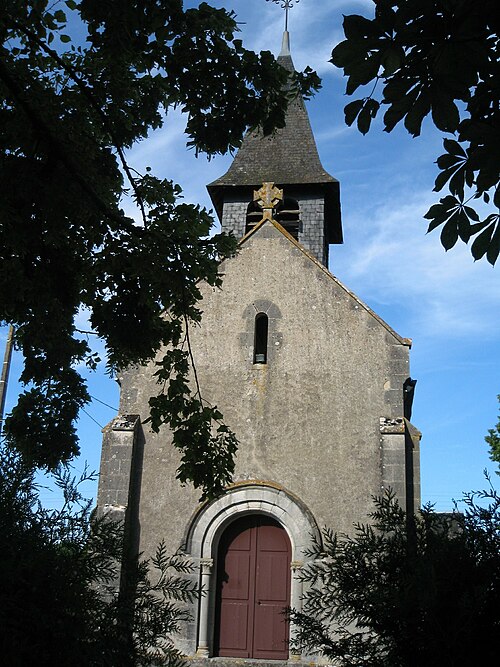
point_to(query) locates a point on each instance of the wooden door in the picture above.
(253, 589)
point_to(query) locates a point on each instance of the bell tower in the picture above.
(310, 209)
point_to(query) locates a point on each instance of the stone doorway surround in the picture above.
(206, 527)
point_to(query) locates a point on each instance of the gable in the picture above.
(271, 229)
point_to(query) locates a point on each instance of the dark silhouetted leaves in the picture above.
(59, 581)
(75, 95)
(352, 110)
(405, 591)
(366, 114)
(438, 58)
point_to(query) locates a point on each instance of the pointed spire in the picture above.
(285, 45)
(289, 157)
(285, 56)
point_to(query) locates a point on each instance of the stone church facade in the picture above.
(315, 385)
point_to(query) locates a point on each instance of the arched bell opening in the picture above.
(254, 216)
(288, 215)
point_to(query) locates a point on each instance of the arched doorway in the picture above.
(253, 589)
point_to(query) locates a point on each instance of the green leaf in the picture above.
(454, 147)
(346, 53)
(351, 110)
(478, 226)
(471, 213)
(457, 183)
(362, 72)
(441, 212)
(444, 113)
(357, 27)
(60, 16)
(373, 106)
(436, 210)
(446, 161)
(392, 117)
(496, 197)
(351, 85)
(417, 113)
(396, 89)
(442, 179)
(65, 38)
(482, 242)
(436, 223)
(494, 247)
(364, 120)
(463, 225)
(449, 235)
(392, 59)
(366, 70)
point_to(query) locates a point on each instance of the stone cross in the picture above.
(267, 198)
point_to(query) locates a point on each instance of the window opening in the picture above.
(288, 215)
(254, 216)
(260, 340)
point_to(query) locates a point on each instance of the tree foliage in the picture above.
(391, 596)
(493, 441)
(70, 107)
(437, 58)
(59, 602)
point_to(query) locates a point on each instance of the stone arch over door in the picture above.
(210, 522)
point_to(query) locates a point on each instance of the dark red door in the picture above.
(253, 589)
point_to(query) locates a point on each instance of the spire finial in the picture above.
(286, 5)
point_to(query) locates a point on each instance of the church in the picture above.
(315, 385)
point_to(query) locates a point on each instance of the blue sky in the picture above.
(447, 304)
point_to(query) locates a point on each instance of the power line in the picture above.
(103, 403)
(90, 416)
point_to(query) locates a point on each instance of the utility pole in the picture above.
(5, 373)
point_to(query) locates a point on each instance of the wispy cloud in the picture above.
(397, 263)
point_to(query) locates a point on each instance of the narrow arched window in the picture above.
(254, 215)
(260, 339)
(288, 215)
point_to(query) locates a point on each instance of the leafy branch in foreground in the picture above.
(59, 600)
(78, 87)
(393, 597)
(437, 58)
(493, 441)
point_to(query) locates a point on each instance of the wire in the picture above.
(103, 403)
(90, 416)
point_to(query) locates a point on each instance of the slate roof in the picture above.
(288, 157)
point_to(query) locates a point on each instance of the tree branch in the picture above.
(75, 76)
(38, 122)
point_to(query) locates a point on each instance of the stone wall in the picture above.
(312, 230)
(310, 418)
(234, 217)
(322, 419)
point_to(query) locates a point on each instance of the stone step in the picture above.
(247, 662)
